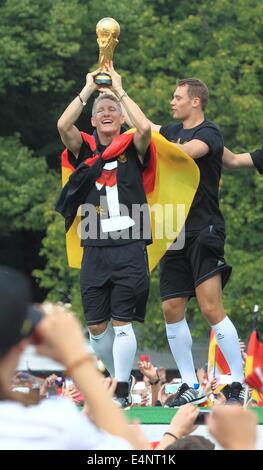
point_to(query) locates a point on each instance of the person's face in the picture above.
(182, 105)
(107, 118)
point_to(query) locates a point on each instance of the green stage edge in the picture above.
(159, 415)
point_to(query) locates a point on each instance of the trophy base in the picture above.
(103, 79)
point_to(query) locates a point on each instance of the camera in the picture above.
(59, 382)
(201, 418)
(34, 315)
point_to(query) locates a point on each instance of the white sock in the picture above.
(180, 342)
(227, 340)
(102, 345)
(124, 350)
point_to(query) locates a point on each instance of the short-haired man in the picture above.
(114, 275)
(199, 269)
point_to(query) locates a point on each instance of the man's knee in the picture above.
(174, 309)
(209, 298)
(212, 311)
(96, 330)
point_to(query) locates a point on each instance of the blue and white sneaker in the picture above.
(185, 395)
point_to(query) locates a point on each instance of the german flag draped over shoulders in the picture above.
(170, 182)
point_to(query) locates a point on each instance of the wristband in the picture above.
(122, 96)
(81, 100)
(171, 434)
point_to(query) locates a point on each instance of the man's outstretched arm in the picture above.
(233, 161)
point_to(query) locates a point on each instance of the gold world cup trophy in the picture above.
(108, 31)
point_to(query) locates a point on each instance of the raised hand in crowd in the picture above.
(181, 425)
(73, 394)
(148, 370)
(47, 384)
(233, 427)
(151, 373)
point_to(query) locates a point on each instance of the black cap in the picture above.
(18, 317)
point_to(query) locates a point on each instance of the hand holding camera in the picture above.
(201, 418)
(183, 422)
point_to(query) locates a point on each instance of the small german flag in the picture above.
(253, 362)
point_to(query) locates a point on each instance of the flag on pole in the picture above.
(217, 364)
(254, 364)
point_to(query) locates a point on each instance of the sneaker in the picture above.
(185, 395)
(123, 398)
(237, 394)
(123, 403)
(226, 391)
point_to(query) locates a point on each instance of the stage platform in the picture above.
(159, 415)
(155, 420)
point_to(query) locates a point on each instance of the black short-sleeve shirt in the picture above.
(257, 157)
(205, 207)
(117, 199)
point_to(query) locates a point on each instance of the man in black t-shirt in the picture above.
(233, 161)
(199, 268)
(108, 181)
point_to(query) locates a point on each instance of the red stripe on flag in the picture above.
(255, 350)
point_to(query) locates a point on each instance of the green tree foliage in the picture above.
(36, 38)
(25, 182)
(61, 282)
(39, 43)
(46, 50)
